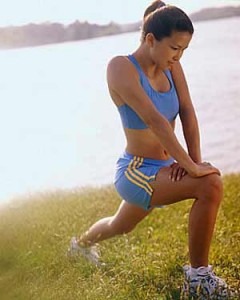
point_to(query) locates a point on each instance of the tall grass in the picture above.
(145, 264)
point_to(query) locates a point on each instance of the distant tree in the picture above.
(45, 33)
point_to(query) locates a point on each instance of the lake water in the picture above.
(59, 128)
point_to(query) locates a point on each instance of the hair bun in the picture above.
(161, 4)
(153, 6)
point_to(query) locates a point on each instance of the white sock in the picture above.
(200, 270)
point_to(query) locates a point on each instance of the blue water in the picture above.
(59, 128)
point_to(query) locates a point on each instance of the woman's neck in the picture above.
(145, 61)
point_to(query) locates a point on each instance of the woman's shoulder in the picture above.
(121, 63)
(120, 68)
(119, 59)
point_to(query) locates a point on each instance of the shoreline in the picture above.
(18, 200)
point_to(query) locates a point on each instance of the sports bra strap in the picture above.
(135, 62)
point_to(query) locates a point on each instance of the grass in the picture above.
(145, 264)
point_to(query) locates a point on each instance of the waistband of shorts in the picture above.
(147, 160)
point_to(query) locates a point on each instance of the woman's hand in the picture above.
(177, 172)
(203, 169)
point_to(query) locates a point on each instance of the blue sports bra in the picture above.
(166, 102)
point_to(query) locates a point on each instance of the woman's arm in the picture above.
(187, 114)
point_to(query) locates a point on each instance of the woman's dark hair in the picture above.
(152, 7)
(161, 20)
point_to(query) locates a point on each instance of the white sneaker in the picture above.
(204, 284)
(89, 253)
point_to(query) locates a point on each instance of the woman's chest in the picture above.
(160, 83)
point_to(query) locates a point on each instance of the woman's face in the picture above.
(169, 50)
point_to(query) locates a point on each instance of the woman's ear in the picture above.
(149, 39)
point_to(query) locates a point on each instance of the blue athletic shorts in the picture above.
(133, 175)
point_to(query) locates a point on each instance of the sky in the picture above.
(19, 12)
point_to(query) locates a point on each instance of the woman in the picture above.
(155, 170)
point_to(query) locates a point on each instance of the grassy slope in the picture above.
(146, 264)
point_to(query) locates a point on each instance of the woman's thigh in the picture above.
(167, 191)
(128, 216)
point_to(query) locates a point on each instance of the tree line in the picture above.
(50, 33)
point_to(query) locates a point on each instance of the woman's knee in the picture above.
(211, 188)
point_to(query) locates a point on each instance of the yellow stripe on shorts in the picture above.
(141, 174)
(137, 177)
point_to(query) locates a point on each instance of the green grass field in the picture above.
(145, 264)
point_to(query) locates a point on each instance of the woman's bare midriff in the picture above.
(145, 143)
